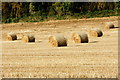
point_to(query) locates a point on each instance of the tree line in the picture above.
(23, 9)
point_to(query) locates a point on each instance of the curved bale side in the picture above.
(109, 25)
(80, 37)
(28, 38)
(11, 37)
(96, 33)
(58, 40)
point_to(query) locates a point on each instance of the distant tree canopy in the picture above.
(22, 9)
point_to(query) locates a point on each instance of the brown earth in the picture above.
(96, 59)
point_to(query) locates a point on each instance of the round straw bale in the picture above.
(11, 36)
(80, 37)
(28, 38)
(95, 32)
(109, 25)
(58, 40)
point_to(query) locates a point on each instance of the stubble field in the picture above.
(96, 59)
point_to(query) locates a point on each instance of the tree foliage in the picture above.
(22, 9)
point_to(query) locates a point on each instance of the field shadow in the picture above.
(94, 42)
(115, 27)
(80, 44)
(60, 47)
(64, 46)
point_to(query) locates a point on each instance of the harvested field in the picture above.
(96, 59)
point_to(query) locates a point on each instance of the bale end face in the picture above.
(76, 38)
(11, 37)
(80, 37)
(28, 38)
(53, 41)
(58, 41)
(25, 39)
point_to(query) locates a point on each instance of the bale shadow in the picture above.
(114, 28)
(62, 47)
(81, 44)
(94, 42)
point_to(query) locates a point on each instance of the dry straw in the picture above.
(109, 25)
(11, 36)
(58, 40)
(28, 38)
(95, 32)
(80, 37)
